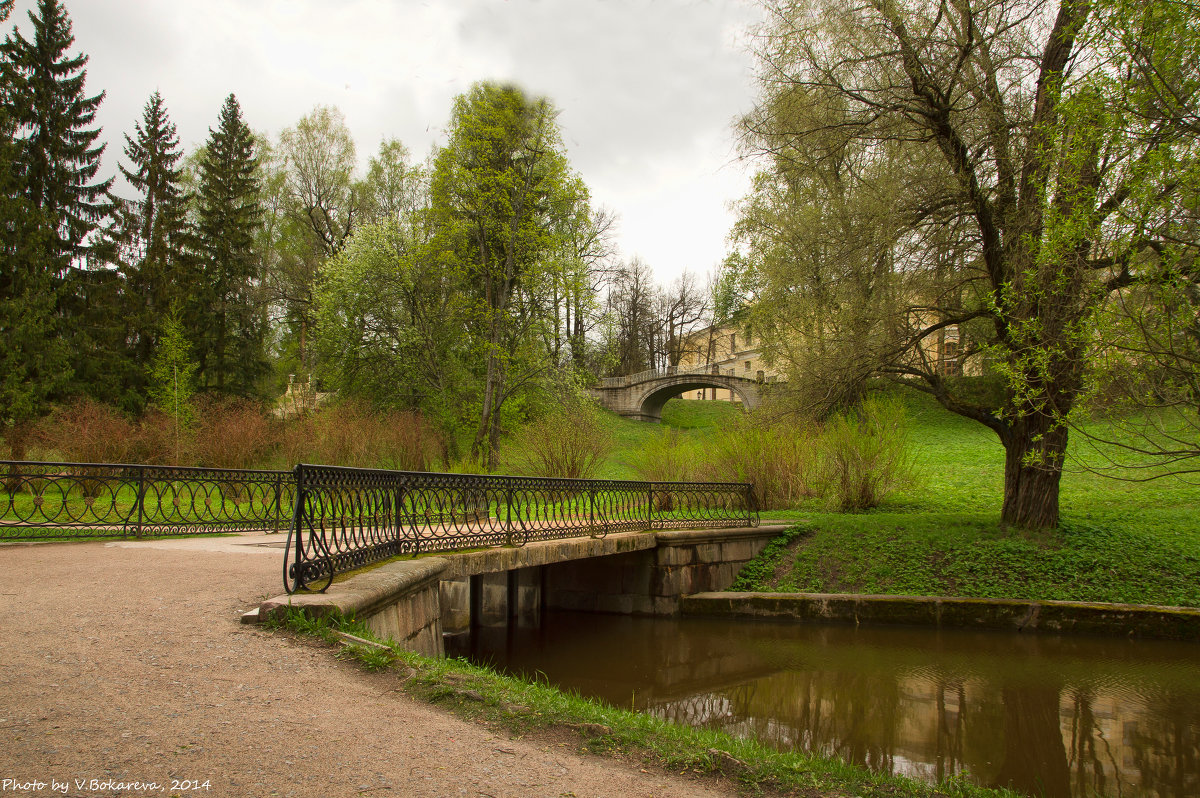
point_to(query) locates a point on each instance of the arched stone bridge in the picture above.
(642, 396)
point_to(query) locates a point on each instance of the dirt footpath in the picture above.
(124, 671)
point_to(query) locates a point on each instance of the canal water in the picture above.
(1064, 717)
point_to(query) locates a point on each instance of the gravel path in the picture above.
(123, 663)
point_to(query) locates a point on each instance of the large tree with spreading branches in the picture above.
(1019, 174)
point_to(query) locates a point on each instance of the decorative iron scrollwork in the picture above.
(345, 518)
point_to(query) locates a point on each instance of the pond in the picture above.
(1065, 717)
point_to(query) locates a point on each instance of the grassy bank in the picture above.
(527, 708)
(1121, 541)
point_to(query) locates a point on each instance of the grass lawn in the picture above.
(690, 420)
(1133, 542)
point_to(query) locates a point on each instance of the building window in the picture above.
(951, 366)
(747, 365)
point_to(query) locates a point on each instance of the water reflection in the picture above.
(1050, 716)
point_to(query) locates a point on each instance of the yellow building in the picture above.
(731, 351)
(728, 350)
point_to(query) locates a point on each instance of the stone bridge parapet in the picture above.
(641, 396)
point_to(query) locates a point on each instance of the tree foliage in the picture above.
(390, 325)
(171, 377)
(48, 158)
(152, 234)
(501, 189)
(1005, 172)
(59, 153)
(230, 319)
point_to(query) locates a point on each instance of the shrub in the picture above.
(86, 431)
(864, 455)
(232, 433)
(352, 434)
(570, 441)
(780, 461)
(405, 441)
(667, 458)
(160, 441)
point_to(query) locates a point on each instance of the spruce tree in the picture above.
(54, 156)
(59, 154)
(231, 354)
(152, 233)
(34, 359)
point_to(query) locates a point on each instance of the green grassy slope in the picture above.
(689, 420)
(1136, 542)
(1119, 541)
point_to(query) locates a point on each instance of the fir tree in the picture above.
(55, 156)
(34, 358)
(231, 355)
(58, 150)
(152, 233)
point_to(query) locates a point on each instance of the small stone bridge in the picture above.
(415, 601)
(642, 396)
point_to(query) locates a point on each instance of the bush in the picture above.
(232, 433)
(161, 441)
(352, 434)
(570, 441)
(86, 431)
(780, 461)
(864, 455)
(668, 458)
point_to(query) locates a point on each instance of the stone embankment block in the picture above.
(1133, 620)
(397, 601)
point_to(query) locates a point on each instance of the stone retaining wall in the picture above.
(398, 600)
(1133, 620)
(652, 582)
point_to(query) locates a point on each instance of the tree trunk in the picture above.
(479, 453)
(1034, 448)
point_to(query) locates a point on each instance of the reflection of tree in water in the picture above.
(1045, 716)
(852, 716)
(947, 743)
(1091, 756)
(1165, 747)
(1034, 759)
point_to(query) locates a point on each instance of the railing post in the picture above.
(398, 510)
(293, 581)
(141, 499)
(650, 507)
(508, 527)
(278, 501)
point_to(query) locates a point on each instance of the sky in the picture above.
(648, 90)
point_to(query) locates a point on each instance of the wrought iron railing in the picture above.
(56, 500)
(670, 371)
(345, 518)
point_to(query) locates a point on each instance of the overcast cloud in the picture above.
(647, 90)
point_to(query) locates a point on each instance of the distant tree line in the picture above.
(466, 287)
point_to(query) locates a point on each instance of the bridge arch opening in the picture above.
(651, 405)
